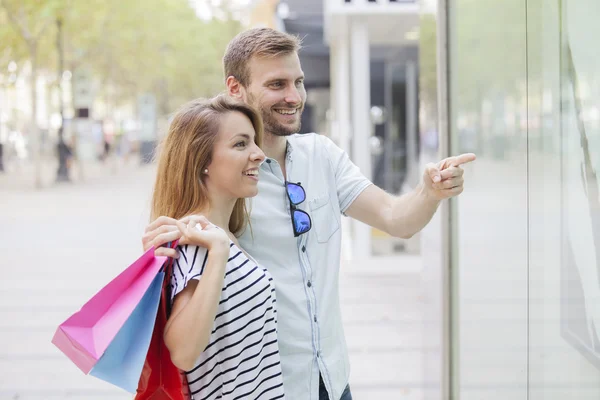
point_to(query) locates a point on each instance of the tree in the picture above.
(131, 47)
(488, 42)
(30, 20)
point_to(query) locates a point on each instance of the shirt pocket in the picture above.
(325, 222)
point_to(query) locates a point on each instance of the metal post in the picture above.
(62, 174)
(441, 365)
(412, 175)
(35, 132)
(447, 211)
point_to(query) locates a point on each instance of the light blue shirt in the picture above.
(306, 269)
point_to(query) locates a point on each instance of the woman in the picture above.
(222, 328)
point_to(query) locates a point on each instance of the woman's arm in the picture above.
(189, 327)
(194, 308)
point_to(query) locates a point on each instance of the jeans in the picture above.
(324, 396)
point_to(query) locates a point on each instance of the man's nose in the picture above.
(293, 96)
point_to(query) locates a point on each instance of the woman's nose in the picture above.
(258, 155)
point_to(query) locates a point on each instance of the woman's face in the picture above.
(233, 172)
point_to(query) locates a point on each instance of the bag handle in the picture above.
(169, 261)
(167, 268)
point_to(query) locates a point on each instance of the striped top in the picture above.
(241, 360)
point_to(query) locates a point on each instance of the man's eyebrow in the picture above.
(274, 80)
(282, 79)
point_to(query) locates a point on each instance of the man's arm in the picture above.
(398, 216)
(408, 214)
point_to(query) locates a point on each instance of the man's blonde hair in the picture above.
(257, 42)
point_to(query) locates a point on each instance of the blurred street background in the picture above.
(107, 75)
(498, 298)
(101, 79)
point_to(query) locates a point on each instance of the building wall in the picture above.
(525, 260)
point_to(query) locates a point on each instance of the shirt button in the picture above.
(318, 354)
(315, 318)
(309, 284)
(268, 161)
(303, 248)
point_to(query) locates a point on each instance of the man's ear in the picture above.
(234, 88)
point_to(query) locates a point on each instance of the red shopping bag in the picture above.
(161, 379)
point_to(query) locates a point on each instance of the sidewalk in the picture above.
(60, 245)
(20, 176)
(383, 313)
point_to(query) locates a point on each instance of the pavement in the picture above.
(382, 308)
(64, 242)
(21, 175)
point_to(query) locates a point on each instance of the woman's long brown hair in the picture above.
(187, 150)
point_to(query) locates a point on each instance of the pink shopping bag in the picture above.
(85, 336)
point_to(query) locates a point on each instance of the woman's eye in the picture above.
(240, 144)
(276, 84)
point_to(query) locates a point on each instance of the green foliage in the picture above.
(132, 46)
(489, 48)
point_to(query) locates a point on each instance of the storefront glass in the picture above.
(525, 96)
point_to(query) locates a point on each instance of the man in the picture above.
(305, 185)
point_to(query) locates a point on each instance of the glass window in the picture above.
(488, 106)
(564, 207)
(525, 96)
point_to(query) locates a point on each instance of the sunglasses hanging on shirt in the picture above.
(301, 222)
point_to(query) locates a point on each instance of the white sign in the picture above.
(147, 116)
(86, 145)
(83, 95)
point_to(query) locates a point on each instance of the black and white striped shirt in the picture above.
(241, 360)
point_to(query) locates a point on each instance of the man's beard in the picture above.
(277, 128)
(273, 126)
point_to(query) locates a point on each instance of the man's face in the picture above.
(277, 90)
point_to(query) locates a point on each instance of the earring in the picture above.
(206, 171)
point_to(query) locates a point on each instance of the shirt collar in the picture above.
(289, 149)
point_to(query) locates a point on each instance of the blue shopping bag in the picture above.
(122, 362)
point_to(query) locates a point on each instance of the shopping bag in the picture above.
(122, 362)
(161, 379)
(85, 336)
